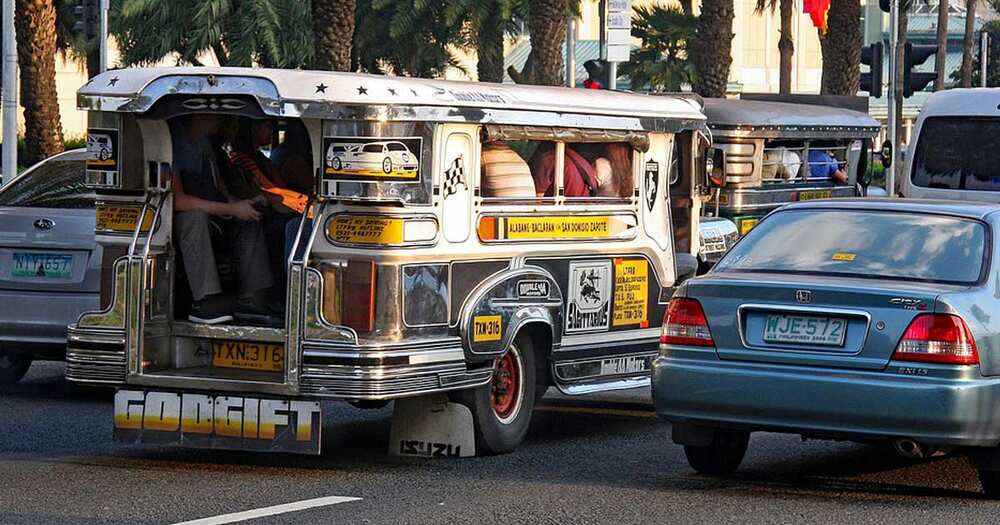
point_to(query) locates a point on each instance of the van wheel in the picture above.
(13, 367)
(990, 480)
(722, 456)
(337, 164)
(501, 409)
(387, 165)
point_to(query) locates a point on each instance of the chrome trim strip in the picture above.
(617, 384)
(631, 336)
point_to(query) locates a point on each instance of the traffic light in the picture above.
(88, 18)
(914, 55)
(871, 82)
(598, 74)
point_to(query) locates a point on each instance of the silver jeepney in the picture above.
(411, 280)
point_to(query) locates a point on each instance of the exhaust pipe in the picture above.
(911, 449)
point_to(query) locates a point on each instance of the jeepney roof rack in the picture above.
(787, 120)
(339, 95)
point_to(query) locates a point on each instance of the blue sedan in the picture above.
(866, 320)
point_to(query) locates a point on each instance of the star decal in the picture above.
(321, 88)
(392, 92)
(113, 81)
(362, 90)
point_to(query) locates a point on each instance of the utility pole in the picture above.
(9, 95)
(104, 34)
(984, 55)
(571, 52)
(893, 124)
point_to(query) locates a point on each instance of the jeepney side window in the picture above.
(518, 170)
(601, 172)
(824, 158)
(782, 161)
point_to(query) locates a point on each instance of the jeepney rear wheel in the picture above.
(501, 409)
(13, 367)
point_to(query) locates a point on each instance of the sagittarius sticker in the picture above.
(589, 302)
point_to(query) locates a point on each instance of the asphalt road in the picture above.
(586, 460)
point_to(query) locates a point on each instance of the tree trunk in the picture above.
(841, 48)
(942, 44)
(712, 50)
(970, 35)
(786, 47)
(489, 48)
(547, 24)
(36, 52)
(333, 29)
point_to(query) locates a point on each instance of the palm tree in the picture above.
(841, 48)
(786, 46)
(333, 30)
(485, 23)
(661, 62)
(942, 44)
(35, 22)
(712, 50)
(547, 24)
(238, 32)
(404, 37)
(970, 34)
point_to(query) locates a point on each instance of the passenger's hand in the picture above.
(244, 210)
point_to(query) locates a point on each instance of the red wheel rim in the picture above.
(505, 391)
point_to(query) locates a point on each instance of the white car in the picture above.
(389, 156)
(100, 146)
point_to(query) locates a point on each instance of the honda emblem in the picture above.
(803, 296)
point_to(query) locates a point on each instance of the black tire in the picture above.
(387, 165)
(990, 480)
(496, 434)
(13, 367)
(337, 164)
(722, 456)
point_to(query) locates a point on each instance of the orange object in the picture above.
(818, 11)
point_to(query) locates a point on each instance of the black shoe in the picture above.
(210, 310)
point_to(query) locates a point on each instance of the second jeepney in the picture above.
(483, 241)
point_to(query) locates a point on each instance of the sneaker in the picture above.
(210, 310)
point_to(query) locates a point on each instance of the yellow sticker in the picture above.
(813, 195)
(843, 256)
(121, 219)
(486, 328)
(631, 293)
(747, 224)
(365, 229)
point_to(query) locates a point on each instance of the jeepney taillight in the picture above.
(358, 297)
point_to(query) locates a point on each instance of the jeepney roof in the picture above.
(326, 94)
(765, 118)
(979, 102)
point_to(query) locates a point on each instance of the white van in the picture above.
(954, 153)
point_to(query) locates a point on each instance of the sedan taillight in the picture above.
(685, 324)
(937, 338)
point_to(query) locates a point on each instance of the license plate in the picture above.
(805, 329)
(248, 355)
(624, 365)
(42, 265)
(813, 195)
(230, 421)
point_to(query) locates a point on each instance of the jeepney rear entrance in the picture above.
(450, 254)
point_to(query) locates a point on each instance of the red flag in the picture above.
(818, 10)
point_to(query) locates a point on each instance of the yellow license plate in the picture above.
(248, 355)
(813, 195)
(121, 218)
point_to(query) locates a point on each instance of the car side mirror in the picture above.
(887, 154)
(715, 167)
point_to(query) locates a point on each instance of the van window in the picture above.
(957, 153)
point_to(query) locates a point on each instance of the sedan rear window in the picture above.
(53, 184)
(869, 244)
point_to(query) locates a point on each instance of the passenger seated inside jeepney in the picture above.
(780, 163)
(505, 173)
(203, 204)
(614, 171)
(579, 176)
(823, 164)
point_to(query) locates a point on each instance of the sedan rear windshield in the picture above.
(958, 153)
(869, 244)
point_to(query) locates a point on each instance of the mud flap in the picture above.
(431, 426)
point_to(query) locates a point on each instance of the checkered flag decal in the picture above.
(454, 177)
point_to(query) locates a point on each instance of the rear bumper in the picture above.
(694, 386)
(41, 318)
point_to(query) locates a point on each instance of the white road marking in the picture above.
(270, 511)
